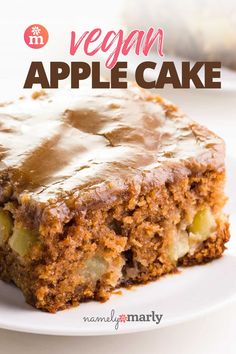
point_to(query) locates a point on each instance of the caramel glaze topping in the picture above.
(55, 145)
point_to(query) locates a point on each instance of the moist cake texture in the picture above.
(104, 188)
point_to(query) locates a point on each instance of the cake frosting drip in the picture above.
(67, 140)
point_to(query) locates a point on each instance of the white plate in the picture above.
(178, 298)
(193, 292)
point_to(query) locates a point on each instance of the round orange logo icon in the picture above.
(36, 36)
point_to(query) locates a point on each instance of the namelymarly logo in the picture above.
(36, 36)
(153, 316)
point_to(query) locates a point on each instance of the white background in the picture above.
(212, 334)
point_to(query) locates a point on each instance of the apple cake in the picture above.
(104, 188)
